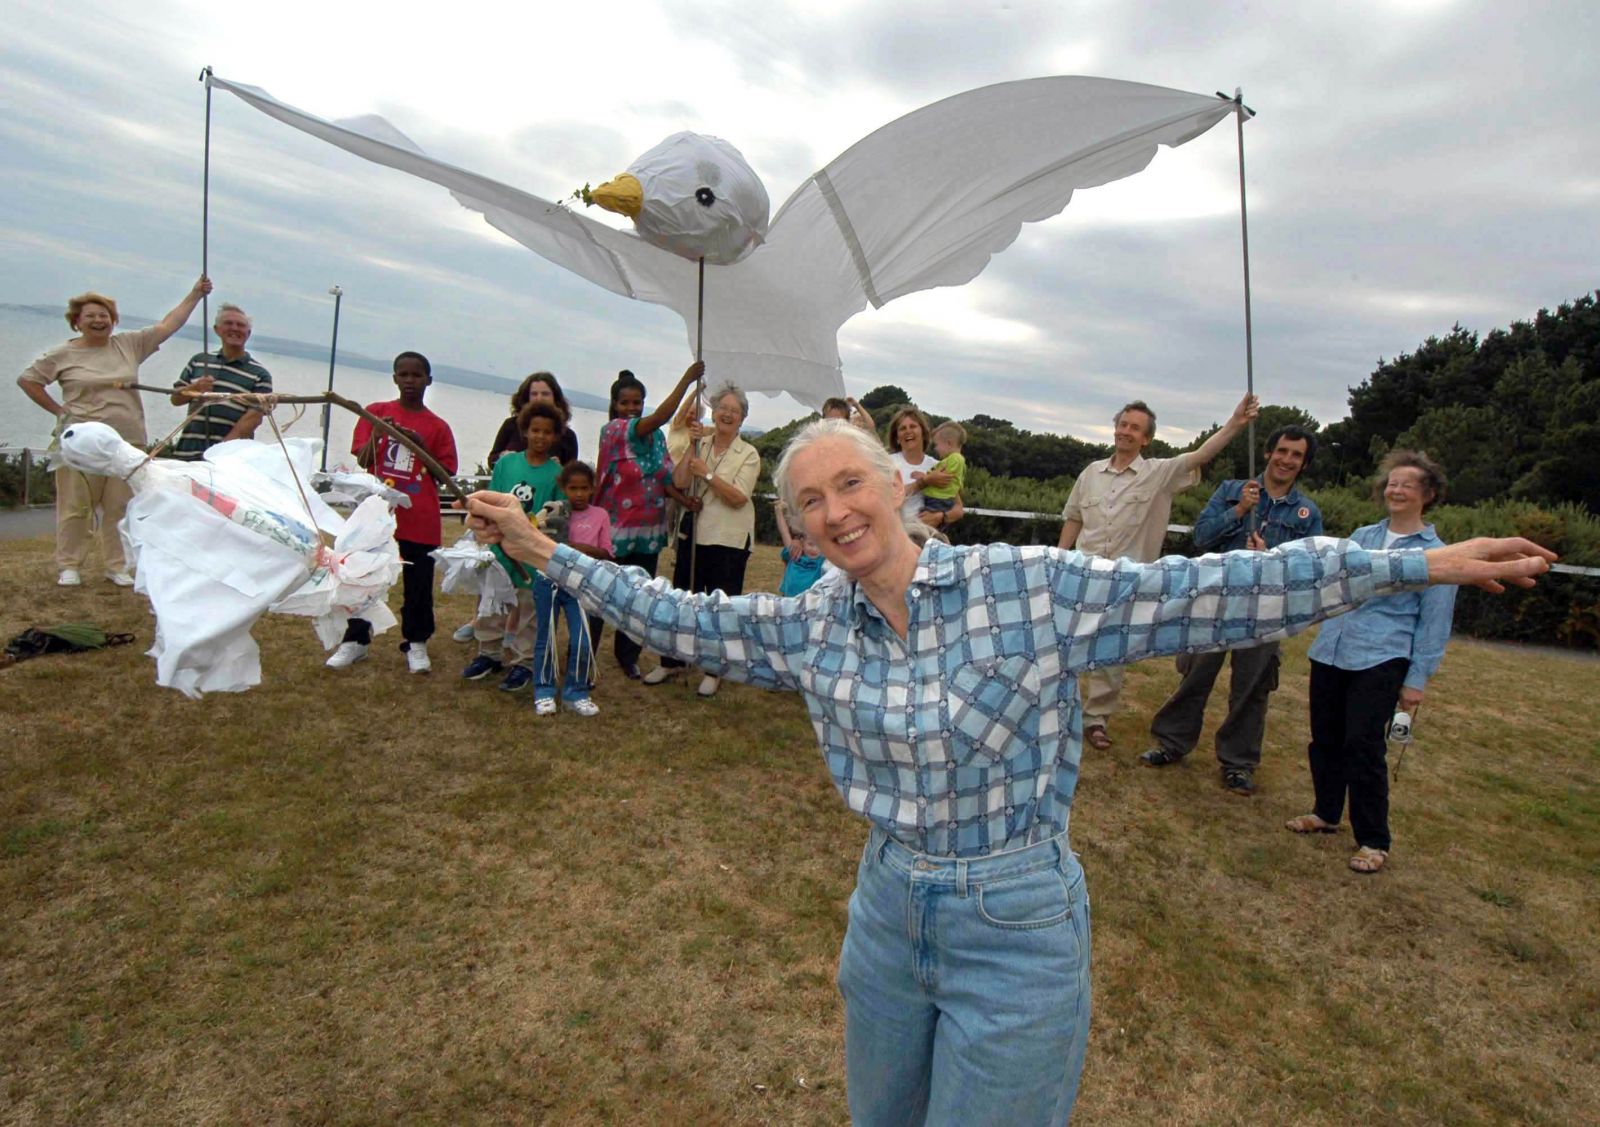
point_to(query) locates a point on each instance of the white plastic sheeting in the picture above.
(924, 201)
(468, 567)
(216, 543)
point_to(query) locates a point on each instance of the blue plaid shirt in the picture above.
(964, 738)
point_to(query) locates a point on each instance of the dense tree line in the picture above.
(1515, 414)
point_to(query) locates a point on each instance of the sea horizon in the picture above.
(474, 413)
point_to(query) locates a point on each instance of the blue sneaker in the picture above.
(518, 677)
(480, 667)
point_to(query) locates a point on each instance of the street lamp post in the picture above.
(333, 352)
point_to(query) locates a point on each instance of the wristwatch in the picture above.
(706, 475)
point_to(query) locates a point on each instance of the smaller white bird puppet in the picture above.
(470, 568)
(216, 543)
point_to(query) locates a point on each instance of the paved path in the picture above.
(25, 524)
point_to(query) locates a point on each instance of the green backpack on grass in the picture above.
(69, 638)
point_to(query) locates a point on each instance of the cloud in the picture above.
(1393, 189)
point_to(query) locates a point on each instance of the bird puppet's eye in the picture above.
(706, 196)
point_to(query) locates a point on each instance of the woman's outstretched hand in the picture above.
(497, 518)
(1489, 562)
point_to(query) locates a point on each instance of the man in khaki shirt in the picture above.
(1119, 508)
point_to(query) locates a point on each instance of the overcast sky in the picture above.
(1413, 165)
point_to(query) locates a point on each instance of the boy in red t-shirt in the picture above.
(417, 529)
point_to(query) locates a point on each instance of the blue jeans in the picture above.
(966, 986)
(547, 601)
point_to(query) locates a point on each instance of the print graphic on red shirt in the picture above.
(402, 470)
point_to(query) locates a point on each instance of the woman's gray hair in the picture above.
(867, 445)
(730, 388)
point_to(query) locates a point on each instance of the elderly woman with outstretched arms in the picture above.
(95, 371)
(943, 686)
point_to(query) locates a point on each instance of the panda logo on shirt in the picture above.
(523, 492)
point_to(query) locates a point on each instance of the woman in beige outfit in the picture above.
(96, 371)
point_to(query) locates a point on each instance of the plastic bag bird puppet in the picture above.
(216, 543)
(924, 201)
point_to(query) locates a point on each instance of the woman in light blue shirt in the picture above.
(942, 683)
(1364, 663)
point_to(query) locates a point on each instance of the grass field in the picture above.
(374, 898)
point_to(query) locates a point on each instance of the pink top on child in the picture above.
(592, 527)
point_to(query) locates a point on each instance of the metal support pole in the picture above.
(699, 385)
(1240, 109)
(27, 476)
(333, 352)
(205, 221)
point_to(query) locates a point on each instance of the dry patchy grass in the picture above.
(369, 898)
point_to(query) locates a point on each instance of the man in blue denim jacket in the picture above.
(1260, 513)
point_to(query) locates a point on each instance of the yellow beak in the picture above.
(621, 194)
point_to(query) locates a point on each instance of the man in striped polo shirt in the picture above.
(229, 369)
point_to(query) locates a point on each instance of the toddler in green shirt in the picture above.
(948, 439)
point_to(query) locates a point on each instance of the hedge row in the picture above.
(41, 484)
(1564, 610)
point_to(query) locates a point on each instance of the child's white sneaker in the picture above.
(544, 706)
(417, 658)
(584, 707)
(69, 577)
(347, 655)
(463, 633)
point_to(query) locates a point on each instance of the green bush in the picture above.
(1562, 610)
(41, 482)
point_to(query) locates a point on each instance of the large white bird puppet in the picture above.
(216, 543)
(924, 201)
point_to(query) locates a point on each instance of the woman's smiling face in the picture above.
(1406, 492)
(728, 415)
(847, 507)
(909, 432)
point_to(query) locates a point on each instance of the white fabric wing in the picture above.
(924, 201)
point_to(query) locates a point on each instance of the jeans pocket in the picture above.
(1027, 903)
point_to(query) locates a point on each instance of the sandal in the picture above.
(1310, 824)
(1368, 860)
(1096, 736)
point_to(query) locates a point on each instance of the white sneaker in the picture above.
(544, 706)
(69, 577)
(584, 707)
(417, 658)
(708, 685)
(463, 633)
(347, 655)
(661, 674)
(120, 578)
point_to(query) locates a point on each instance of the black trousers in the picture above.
(626, 649)
(1350, 713)
(416, 605)
(716, 568)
